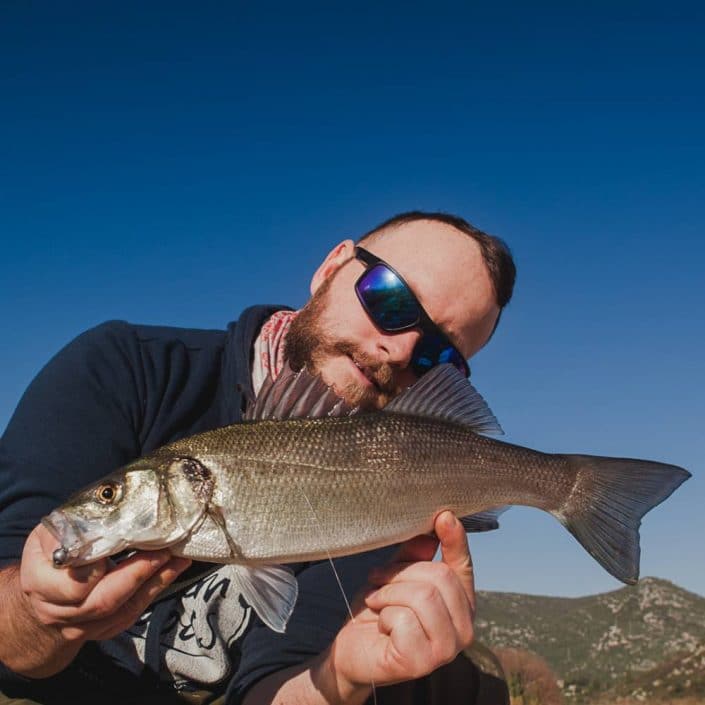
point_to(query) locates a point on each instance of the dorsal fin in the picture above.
(444, 393)
(295, 395)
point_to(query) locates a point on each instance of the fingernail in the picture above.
(184, 564)
(89, 572)
(448, 519)
(371, 595)
(159, 559)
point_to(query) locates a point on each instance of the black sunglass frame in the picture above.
(423, 321)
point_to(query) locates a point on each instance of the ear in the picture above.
(338, 256)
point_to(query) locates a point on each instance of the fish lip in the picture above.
(67, 533)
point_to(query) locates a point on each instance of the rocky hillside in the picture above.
(683, 675)
(649, 638)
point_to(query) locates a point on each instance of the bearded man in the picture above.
(419, 290)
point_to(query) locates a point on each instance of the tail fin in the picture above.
(608, 501)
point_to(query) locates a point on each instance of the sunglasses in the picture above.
(391, 304)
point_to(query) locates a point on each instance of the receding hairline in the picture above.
(495, 252)
(383, 233)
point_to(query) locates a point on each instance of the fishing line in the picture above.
(340, 584)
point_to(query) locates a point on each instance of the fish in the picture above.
(306, 478)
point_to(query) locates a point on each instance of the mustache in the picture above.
(380, 373)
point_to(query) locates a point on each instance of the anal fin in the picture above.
(483, 521)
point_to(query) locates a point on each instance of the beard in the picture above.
(308, 344)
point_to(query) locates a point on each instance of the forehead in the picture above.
(447, 272)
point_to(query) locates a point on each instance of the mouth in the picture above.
(365, 374)
(62, 529)
(72, 545)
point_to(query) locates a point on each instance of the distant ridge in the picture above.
(647, 639)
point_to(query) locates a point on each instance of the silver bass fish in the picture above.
(273, 491)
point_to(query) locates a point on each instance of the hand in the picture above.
(95, 601)
(418, 616)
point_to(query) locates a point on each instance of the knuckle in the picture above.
(103, 606)
(42, 613)
(381, 593)
(443, 570)
(74, 592)
(138, 575)
(46, 619)
(405, 618)
(445, 653)
(450, 655)
(160, 581)
(429, 593)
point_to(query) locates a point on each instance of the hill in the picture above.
(648, 638)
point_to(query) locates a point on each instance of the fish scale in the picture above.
(371, 480)
(283, 491)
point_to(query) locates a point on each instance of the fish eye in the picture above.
(107, 493)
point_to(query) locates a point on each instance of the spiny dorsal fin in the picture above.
(444, 393)
(296, 395)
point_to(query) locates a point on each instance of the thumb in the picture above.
(455, 551)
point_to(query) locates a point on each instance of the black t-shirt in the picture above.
(113, 394)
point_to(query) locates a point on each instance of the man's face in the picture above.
(334, 336)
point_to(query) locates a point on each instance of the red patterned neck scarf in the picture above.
(268, 355)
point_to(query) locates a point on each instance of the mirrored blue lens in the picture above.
(387, 299)
(432, 350)
(393, 307)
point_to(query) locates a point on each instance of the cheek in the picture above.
(354, 327)
(343, 313)
(346, 320)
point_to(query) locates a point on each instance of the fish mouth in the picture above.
(72, 544)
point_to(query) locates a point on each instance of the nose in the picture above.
(396, 349)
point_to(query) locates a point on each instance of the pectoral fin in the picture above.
(271, 591)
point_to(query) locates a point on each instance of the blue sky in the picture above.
(174, 162)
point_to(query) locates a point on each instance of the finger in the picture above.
(112, 592)
(427, 604)
(420, 548)
(455, 551)
(41, 579)
(131, 611)
(149, 592)
(403, 624)
(439, 575)
(122, 582)
(164, 577)
(409, 652)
